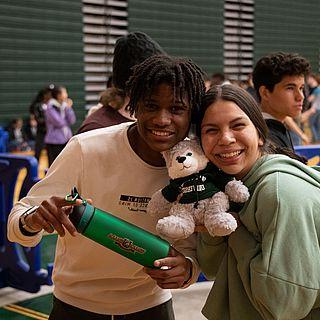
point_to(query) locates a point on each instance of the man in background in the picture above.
(279, 80)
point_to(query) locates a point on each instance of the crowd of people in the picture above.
(267, 269)
(51, 114)
(48, 126)
(302, 127)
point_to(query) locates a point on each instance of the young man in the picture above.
(119, 168)
(279, 80)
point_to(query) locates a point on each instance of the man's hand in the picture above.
(52, 215)
(174, 270)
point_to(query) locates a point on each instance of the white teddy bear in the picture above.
(194, 195)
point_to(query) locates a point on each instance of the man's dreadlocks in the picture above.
(185, 77)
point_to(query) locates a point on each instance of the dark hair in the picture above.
(271, 69)
(40, 97)
(185, 77)
(112, 95)
(109, 82)
(250, 107)
(56, 91)
(217, 78)
(129, 51)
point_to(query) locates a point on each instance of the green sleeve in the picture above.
(210, 252)
(279, 263)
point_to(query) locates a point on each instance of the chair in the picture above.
(20, 267)
(312, 152)
(4, 137)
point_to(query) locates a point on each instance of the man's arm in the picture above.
(48, 196)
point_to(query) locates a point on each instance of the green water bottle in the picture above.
(116, 234)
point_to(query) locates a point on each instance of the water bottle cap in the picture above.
(86, 217)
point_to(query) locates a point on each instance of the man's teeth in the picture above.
(230, 154)
(161, 133)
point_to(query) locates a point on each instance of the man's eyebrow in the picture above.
(293, 84)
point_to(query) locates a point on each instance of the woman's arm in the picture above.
(295, 128)
(279, 265)
(210, 252)
(54, 117)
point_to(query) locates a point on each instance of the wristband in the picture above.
(23, 224)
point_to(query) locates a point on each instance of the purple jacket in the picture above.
(58, 122)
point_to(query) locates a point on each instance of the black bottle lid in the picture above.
(77, 211)
(80, 215)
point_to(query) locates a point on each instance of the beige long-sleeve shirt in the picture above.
(103, 167)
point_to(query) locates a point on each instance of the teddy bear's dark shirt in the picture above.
(197, 186)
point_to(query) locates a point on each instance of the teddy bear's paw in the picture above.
(158, 206)
(221, 224)
(219, 203)
(175, 228)
(237, 191)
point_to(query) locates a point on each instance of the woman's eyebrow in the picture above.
(232, 121)
(238, 118)
(208, 125)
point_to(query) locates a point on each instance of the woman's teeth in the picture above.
(230, 154)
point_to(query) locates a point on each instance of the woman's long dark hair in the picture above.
(40, 97)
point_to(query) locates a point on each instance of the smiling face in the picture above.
(286, 98)
(229, 138)
(162, 121)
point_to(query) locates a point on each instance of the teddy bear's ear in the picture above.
(166, 156)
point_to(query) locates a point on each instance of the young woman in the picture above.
(36, 109)
(269, 268)
(59, 116)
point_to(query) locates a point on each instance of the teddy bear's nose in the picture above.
(181, 159)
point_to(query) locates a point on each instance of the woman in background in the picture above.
(111, 110)
(36, 109)
(59, 117)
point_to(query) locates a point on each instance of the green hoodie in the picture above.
(269, 268)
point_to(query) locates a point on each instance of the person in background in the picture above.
(219, 78)
(295, 129)
(31, 129)
(119, 168)
(59, 116)
(18, 141)
(314, 99)
(110, 97)
(250, 87)
(130, 50)
(109, 83)
(106, 113)
(207, 82)
(269, 267)
(36, 109)
(279, 80)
